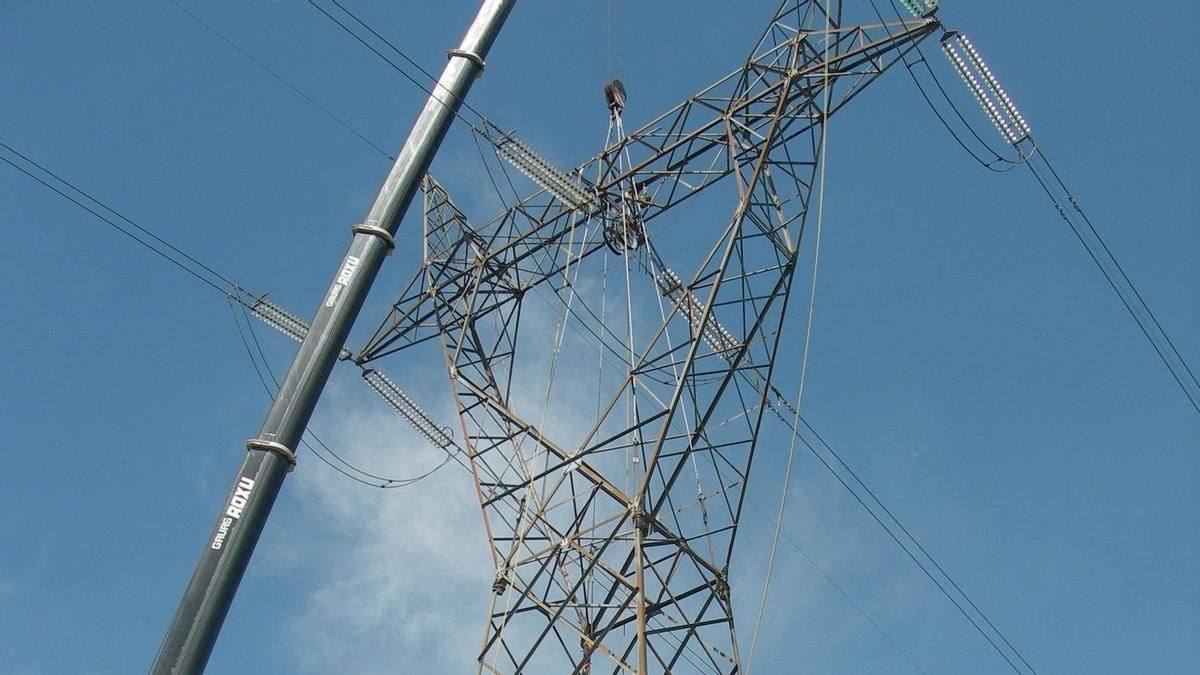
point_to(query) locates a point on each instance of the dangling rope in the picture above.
(608, 42)
(613, 38)
(812, 301)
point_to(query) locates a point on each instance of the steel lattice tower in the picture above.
(612, 519)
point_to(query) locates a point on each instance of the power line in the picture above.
(1120, 268)
(923, 61)
(1181, 372)
(387, 42)
(946, 591)
(484, 122)
(359, 475)
(197, 269)
(284, 81)
(1095, 245)
(395, 66)
(813, 563)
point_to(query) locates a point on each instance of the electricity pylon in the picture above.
(612, 519)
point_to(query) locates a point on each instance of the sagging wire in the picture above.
(1132, 299)
(193, 266)
(812, 301)
(1014, 130)
(998, 162)
(139, 234)
(911, 550)
(282, 80)
(838, 587)
(482, 127)
(350, 471)
(483, 121)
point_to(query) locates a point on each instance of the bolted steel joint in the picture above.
(641, 520)
(720, 586)
(500, 584)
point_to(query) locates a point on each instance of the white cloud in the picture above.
(404, 576)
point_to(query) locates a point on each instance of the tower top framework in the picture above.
(612, 520)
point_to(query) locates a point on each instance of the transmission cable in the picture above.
(481, 127)
(398, 68)
(282, 80)
(1095, 245)
(375, 481)
(813, 563)
(233, 292)
(1181, 378)
(385, 41)
(990, 165)
(1117, 263)
(812, 301)
(195, 269)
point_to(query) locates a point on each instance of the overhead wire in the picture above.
(1094, 245)
(282, 80)
(1100, 256)
(812, 301)
(479, 127)
(895, 531)
(1130, 298)
(295, 89)
(359, 475)
(385, 41)
(832, 582)
(188, 263)
(1120, 268)
(484, 124)
(923, 60)
(350, 31)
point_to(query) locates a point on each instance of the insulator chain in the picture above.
(294, 327)
(714, 334)
(920, 8)
(994, 85)
(996, 104)
(402, 403)
(542, 172)
(285, 322)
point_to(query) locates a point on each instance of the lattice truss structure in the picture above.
(611, 372)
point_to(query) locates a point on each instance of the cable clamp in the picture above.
(500, 584)
(271, 446)
(641, 520)
(720, 586)
(375, 230)
(470, 56)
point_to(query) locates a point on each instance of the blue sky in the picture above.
(968, 360)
